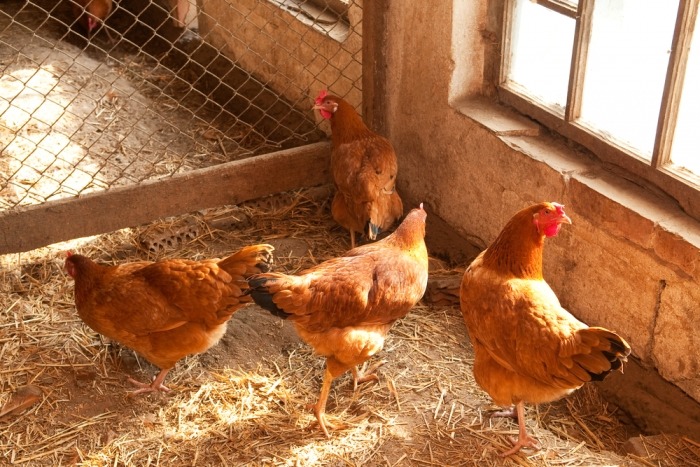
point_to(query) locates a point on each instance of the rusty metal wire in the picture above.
(139, 97)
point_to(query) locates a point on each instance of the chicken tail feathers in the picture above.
(249, 260)
(605, 351)
(260, 291)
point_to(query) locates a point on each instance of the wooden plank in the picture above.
(506, 40)
(579, 58)
(563, 7)
(374, 64)
(31, 227)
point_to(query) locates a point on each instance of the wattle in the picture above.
(552, 229)
(325, 114)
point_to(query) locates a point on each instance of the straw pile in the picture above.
(244, 401)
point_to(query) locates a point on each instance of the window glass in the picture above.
(626, 67)
(541, 43)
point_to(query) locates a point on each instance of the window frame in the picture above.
(683, 187)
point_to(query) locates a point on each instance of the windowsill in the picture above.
(643, 216)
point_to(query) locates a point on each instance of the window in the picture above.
(621, 77)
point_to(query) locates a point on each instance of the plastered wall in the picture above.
(294, 59)
(631, 259)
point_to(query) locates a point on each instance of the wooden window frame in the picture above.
(684, 188)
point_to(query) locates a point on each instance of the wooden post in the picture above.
(374, 38)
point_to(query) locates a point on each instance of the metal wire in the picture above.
(139, 97)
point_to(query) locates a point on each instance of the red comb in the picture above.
(69, 254)
(559, 208)
(321, 95)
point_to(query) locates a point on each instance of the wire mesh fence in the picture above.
(96, 94)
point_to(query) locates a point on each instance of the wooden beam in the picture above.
(26, 228)
(579, 59)
(563, 7)
(374, 64)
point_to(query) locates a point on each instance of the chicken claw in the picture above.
(365, 374)
(156, 385)
(524, 440)
(320, 414)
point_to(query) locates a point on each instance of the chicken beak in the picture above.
(564, 219)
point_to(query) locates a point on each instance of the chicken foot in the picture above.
(524, 440)
(319, 407)
(365, 374)
(156, 385)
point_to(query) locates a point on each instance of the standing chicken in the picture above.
(344, 307)
(91, 13)
(167, 309)
(527, 348)
(364, 167)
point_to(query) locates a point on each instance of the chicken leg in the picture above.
(156, 385)
(366, 374)
(524, 440)
(334, 368)
(320, 407)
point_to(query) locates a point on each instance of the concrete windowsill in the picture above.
(641, 215)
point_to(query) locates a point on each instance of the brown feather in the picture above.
(528, 348)
(364, 169)
(167, 309)
(344, 307)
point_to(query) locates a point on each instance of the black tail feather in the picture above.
(262, 296)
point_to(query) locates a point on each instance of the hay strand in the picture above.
(245, 401)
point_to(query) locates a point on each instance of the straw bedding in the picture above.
(244, 401)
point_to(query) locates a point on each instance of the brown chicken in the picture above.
(364, 168)
(527, 348)
(344, 307)
(91, 13)
(167, 309)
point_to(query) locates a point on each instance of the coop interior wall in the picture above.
(294, 59)
(631, 259)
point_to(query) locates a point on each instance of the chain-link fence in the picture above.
(87, 105)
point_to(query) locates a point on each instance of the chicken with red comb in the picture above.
(364, 169)
(527, 347)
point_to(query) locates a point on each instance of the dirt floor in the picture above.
(244, 401)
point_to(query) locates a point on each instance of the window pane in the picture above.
(684, 151)
(626, 67)
(540, 53)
